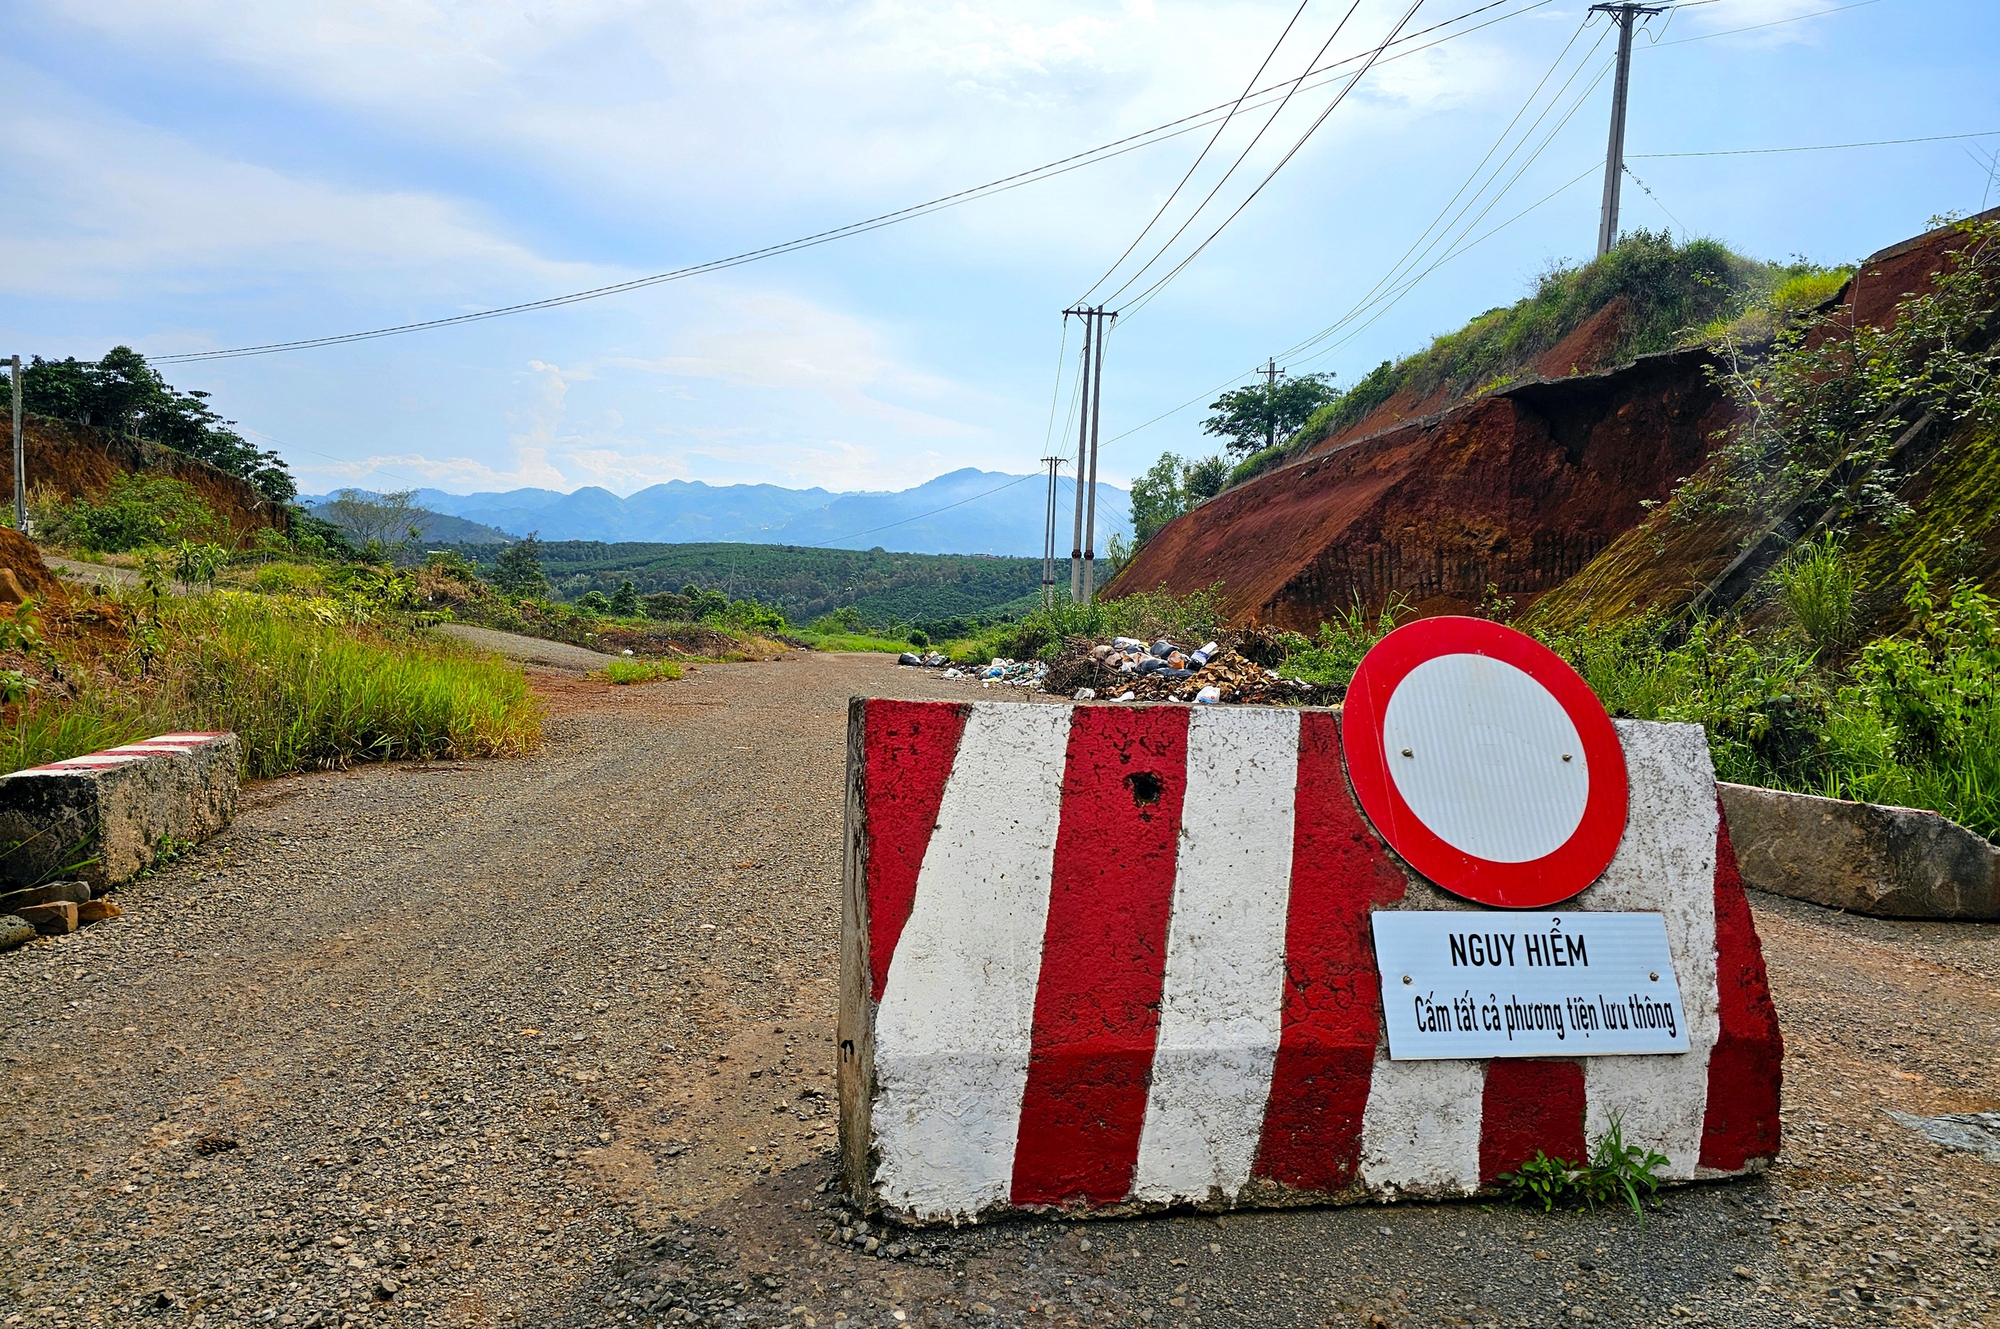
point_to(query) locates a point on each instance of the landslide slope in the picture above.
(1943, 475)
(1509, 457)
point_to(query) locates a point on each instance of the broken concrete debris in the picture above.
(1127, 669)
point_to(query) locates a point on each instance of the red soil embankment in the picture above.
(78, 461)
(1516, 490)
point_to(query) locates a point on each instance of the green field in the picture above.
(805, 583)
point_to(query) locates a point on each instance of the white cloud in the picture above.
(785, 344)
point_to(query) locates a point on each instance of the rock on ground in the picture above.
(549, 1042)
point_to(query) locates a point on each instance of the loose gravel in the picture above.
(549, 1042)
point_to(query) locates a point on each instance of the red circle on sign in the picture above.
(1508, 878)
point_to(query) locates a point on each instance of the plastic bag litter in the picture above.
(907, 658)
(1163, 648)
(1086, 694)
(1127, 644)
(1208, 696)
(1127, 695)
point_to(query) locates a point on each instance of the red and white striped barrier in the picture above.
(1105, 958)
(103, 816)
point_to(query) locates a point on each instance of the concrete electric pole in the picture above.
(1614, 161)
(1049, 537)
(1083, 553)
(1270, 372)
(20, 458)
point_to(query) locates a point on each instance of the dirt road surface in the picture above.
(549, 1042)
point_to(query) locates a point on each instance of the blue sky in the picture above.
(204, 174)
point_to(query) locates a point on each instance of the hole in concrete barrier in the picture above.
(1145, 787)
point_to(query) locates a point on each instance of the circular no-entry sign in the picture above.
(1485, 761)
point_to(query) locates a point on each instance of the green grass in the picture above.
(304, 687)
(642, 671)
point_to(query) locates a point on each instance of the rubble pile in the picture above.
(1127, 669)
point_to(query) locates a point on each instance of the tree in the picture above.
(387, 518)
(518, 570)
(121, 392)
(1172, 486)
(1258, 417)
(625, 602)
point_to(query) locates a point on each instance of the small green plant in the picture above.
(1616, 1172)
(199, 564)
(1331, 659)
(642, 671)
(1820, 586)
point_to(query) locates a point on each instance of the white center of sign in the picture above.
(1486, 757)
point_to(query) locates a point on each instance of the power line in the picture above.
(1147, 294)
(1240, 158)
(1202, 156)
(1814, 147)
(1754, 27)
(1033, 175)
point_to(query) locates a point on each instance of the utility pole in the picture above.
(1082, 456)
(1270, 372)
(1083, 554)
(20, 458)
(1096, 413)
(1049, 536)
(1623, 15)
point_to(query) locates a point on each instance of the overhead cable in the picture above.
(1147, 294)
(1812, 147)
(1199, 158)
(1061, 166)
(1255, 139)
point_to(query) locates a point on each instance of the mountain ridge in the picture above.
(967, 511)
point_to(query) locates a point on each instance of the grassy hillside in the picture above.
(885, 588)
(1672, 294)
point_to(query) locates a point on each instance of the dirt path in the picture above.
(529, 650)
(549, 1042)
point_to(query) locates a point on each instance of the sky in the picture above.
(201, 175)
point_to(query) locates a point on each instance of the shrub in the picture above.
(1331, 659)
(135, 510)
(289, 579)
(594, 602)
(918, 638)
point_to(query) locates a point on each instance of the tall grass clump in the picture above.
(1821, 588)
(304, 686)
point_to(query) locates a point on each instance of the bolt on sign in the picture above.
(1107, 959)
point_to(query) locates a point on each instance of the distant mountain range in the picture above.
(966, 512)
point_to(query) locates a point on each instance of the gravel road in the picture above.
(529, 650)
(549, 1042)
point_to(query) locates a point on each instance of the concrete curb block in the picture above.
(1862, 857)
(1106, 960)
(102, 817)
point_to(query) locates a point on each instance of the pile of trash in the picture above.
(1012, 673)
(1127, 669)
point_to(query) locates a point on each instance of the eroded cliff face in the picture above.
(1545, 486)
(1517, 490)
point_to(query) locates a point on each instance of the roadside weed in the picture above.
(1616, 1172)
(641, 671)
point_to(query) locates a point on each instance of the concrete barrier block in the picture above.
(1863, 857)
(102, 817)
(1103, 960)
